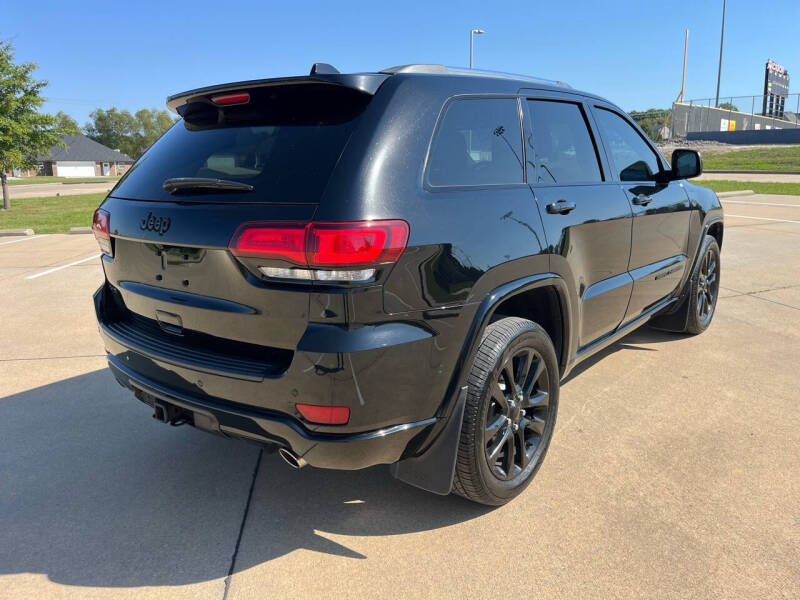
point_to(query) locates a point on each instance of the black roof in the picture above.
(371, 81)
(434, 69)
(80, 147)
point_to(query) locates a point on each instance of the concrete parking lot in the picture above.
(674, 470)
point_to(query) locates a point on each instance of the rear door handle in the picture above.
(561, 207)
(642, 200)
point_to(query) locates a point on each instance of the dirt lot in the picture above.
(674, 471)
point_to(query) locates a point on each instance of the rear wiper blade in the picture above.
(182, 184)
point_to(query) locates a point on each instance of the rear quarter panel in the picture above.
(463, 242)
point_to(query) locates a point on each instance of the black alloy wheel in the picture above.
(510, 411)
(516, 414)
(704, 288)
(707, 286)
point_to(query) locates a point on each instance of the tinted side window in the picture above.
(633, 159)
(478, 142)
(563, 148)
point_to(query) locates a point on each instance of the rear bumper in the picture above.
(330, 451)
(391, 396)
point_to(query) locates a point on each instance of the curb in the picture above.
(10, 232)
(736, 193)
(80, 230)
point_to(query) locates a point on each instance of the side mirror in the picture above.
(686, 164)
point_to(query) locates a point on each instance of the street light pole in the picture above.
(721, 40)
(683, 79)
(472, 33)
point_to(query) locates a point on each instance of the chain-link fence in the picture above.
(735, 113)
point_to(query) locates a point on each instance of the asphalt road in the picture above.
(37, 190)
(674, 471)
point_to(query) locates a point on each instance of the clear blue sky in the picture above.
(133, 54)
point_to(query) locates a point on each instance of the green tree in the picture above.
(68, 125)
(25, 133)
(652, 121)
(728, 106)
(129, 133)
(113, 128)
(152, 124)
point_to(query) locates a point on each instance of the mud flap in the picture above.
(675, 320)
(433, 471)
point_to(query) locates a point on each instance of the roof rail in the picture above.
(433, 69)
(416, 68)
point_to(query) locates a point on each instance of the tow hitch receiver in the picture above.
(169, 413)
(164, 411)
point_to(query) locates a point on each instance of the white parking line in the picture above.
(54, 269)
(762, 218)
(724, 201)
(25, 239)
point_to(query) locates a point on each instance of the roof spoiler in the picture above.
(367, 83)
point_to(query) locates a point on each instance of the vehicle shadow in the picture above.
(95, 493)
(632, 341)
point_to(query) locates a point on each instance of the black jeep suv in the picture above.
(395, 267)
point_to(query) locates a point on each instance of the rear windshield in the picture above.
(285, 143)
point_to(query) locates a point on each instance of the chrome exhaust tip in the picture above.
(291, 458)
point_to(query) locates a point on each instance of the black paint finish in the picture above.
(395, 350)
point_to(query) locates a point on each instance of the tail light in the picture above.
(101, 227)
(322, 251)
(324, 415)
(355, 244)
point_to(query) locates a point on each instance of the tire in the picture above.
(703, 288)
(490, 467)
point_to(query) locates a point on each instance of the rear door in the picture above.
(660, 211)
(587, 218)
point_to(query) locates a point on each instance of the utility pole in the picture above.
(721, 40)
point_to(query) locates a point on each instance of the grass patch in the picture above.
(49, 179)
(725, 185)
(51, 214)
(786, 158)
